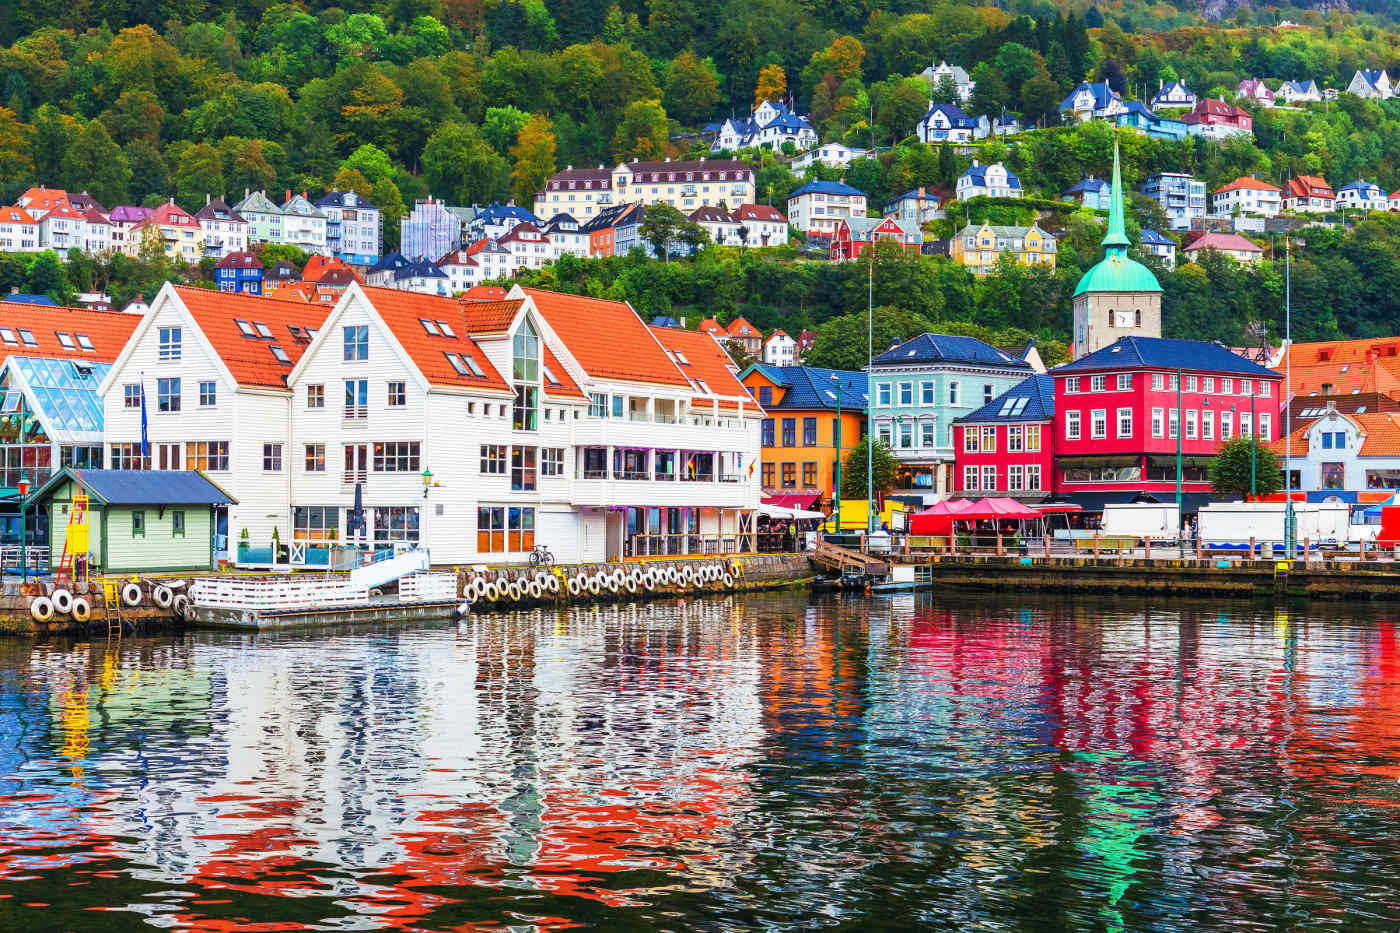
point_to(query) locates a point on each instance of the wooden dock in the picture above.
(833, 557)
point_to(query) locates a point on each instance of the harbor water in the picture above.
(769, 761)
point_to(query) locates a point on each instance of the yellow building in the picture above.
(978, 248)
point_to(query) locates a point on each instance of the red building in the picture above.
(855, 234)
(1117, 412)
(1006, 447)
(1215, 118)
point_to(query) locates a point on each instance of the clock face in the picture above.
(1123, 318)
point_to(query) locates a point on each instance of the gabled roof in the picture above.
(484, 293)
(127, 214)
(108, 331)
(593, 330)
(218, 209)
(1102, 93)
(1364, 188)
(861, 227)
(1151, 237)
(1165, 91)
(1372, 78)
(1166, 353)
(1088, 185)
(64, 211)
(299, 205)
(1308, 186)
(249, 359)
(1380, 434)
(143, 487)
(701, 360)
(93, 216)
(943, 348)
(1030, 400)
(1223, 241)
(1213, 106)
(740, 327)
(1247, 182)
(495, 213)
(711, 215)
(317, 267)
(16, 215)
(1306, 86)
(710, 326)
(258, 202)
(404, 312)
(978, 173)
(827, 187)
(389, 262)
(30, 299)
(422, 269)
(490, 317)
(43, 199)
(82, 201)
(957, 119)
(814, 387)
(760, 212)
(171, 214)
(239, 260)
(338, 198)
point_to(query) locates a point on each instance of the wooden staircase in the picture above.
(845, 560)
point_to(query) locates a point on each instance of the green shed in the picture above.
(138, 520)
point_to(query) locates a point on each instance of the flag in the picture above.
(145, 441)
(752, 464)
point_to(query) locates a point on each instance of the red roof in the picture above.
(710, 326)
(1308, 186)
(239, 260)
(740, 327)
(43, 199)
(484, 293)
(1225, 242)
(16, 215)
(1245, 182)
(108, 331)
(760, 212)
(93, 216)
(171, 214)
(249, 359)
(489, 317)
(404, 313)
(318, 266)
(705, 360)
(64, 210)
(607, 338)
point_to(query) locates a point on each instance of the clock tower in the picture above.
(1119, 297)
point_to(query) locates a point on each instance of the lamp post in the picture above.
(836, 439)
(1289, 531)
(423, 522)
(1180, 429)
(1253, 443)
(23, 487)
(869, 368)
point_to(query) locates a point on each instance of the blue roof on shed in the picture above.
(145, 487)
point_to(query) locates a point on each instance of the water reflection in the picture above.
(723, 764)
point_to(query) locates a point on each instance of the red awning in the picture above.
(793, 500)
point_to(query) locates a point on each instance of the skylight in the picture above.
(457, 363)
(681, 357)
(244, 328)
(446, 331)
(85, 342)
(549, 376)
(27, 336)
(429, 326)
(65, 340)
(262, 330)
(281, 354)
(472, 365)
(8, 335)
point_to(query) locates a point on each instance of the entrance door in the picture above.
(614, 539)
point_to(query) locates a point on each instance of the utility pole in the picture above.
(1290, 531)
(869, 370)
(1180, 538)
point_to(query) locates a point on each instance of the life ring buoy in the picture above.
(131, 594)
(573, 586)
(536, 589)
(728, 581)
(594, 587)
(631, 585)
(513, 590)
(553, 584)
(62, 601)
(181, 601)
(162, 596)
(80, 609)
(491, 591)
(41, 609)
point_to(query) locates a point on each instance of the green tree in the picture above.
(841, 341)
(904, 107)
(533, 155)
(501, 126)
(641, 133)
(692, 88)
(883, 467)
(460, 165)
(199, 172)
(1230, 469)
(661, 227)
(96, 164)
(371, 162)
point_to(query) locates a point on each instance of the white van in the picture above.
(1141, 520)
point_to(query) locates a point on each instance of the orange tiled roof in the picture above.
(318, 266)
(1245, 182)
(250, 360)
(1380, 435)
(1306, 186)
(1344, 367)
(705, 360)
(740, 327)
(16, 215)
(484, 293)
(489, 317)
(607, 338)
(564, 386)
(710, 326)
(44, 199)
(108, 331)
(404, 313)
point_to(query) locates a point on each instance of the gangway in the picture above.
(390, 569)
(835, 557)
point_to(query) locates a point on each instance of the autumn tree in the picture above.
(349, 179)
(533, 155)
(641, 133)
(772, 84)
(692, 88)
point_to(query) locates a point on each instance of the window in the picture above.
(126, 457)
(525, 360)
(1208, 425)
(395, 523)
(952, 393)
(989, 439)
(315, 396)
(789, 432)
(168, 456)
(767, 471)
(1191, 424)
(245, 328)
(1072, 385)
(1227, 425)
(1033, 476)
(766, 432)
(65, 340)
(210, 456)
(272, 458)
(1158, 382)
(396, 457)
(280, 355)
(617, 403)
(138, 523)
(1227, 386)
(1173, 381)
(168, 394)
(1098, 383)
(809, 432)
(1208, 385)
(356, 399)
(882, 395)
(430, 327)
(169, 344)
(987, 393)
(789, 476)
(989, 477)
(208, 394)
(1265, 389)
(315, 458)
(493, 459)
(1333, 475)
(491, 529)
(970, 478)
(809, 475)
(1125, 382)
(315, 522)
(1071, 425)
(1265, 424)
(971, 440)
(906, 435)
(27, 336)
(1246, 387)
(397, 394)
(1015, 438)
(1125, 422)
(906, 394)
(765, 395)
(263, 330)
(131, 396)
(356, 343)
(927, 431)
(597, 405)
(551, 461)
(1016, 477)
(1098, 424)
(926, 393)
(1190, 383)
(1032, 438)
(1172, 423)
(1246, 425)
(177, 523)
(522, 469)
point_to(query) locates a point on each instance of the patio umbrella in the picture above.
(355, 521)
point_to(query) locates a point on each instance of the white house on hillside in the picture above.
(1299, 92)
(833, 155)
(993, 181)
(1372, 84)
(779, 349)
(936, 74)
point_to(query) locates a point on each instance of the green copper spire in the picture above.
(1116, 239)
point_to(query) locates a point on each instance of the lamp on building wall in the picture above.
(427, 482)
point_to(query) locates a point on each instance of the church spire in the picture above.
(1116, 239)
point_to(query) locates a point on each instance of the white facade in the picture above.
(817, 208)
(993, 181)
(766, 225)
(945, 123)
(1375, 85)
(304, 225)
(779, 349)
(834, 155)
(1336, 457)
(97, 234)
(1362, 195)
(19, 232)
(1300, 92)
(62, 229)
(965, 85)
(1249, 197)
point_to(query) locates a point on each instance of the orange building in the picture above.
(799, 450)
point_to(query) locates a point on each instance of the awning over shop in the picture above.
(793, 500)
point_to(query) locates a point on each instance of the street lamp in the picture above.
(869, 409)
(23, 487)
(427, 482)
(836, 439)
(1180, 430)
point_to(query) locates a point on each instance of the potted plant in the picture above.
(278, 556)
(243, 546)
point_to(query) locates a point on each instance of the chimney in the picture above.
(245, 192)
(206, 197)
(286, 195)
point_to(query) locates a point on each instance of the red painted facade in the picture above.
(1003, 458)
(845, 245)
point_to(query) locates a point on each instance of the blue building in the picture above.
(1137, 117)
(1091, 192)
(1159, 245)
(239, 272)
(1182, 197)
(354, 228)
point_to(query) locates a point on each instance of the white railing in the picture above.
(38, 557)
(275, 595)
(428, 586)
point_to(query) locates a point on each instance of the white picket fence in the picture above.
(262, 594)
(428, 586)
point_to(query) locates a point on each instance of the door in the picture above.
(614, 536)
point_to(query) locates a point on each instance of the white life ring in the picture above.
(594, 586)
(631, 585)
(181, 601)
(649, 578)
(728, 581)
(573, 586)
(513, 590)
(163, 596)
(131, 594)
(41, 609)
(489, 591)
(80, 609)
(62, 601)
(552, 583)
(536, 589)
(610, 583)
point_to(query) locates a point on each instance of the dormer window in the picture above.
(245, 328)
(263, 330)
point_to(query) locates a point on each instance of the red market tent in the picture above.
(937, 519)
(1001, 508)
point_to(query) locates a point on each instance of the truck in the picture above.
(1232, 524)
(1140, 520)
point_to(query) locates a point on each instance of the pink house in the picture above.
(1006, 447)
(1118, 410)
(1215, 119)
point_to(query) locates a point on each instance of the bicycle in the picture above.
(540, 556)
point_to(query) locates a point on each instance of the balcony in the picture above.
(350, 478)
(355, 416)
